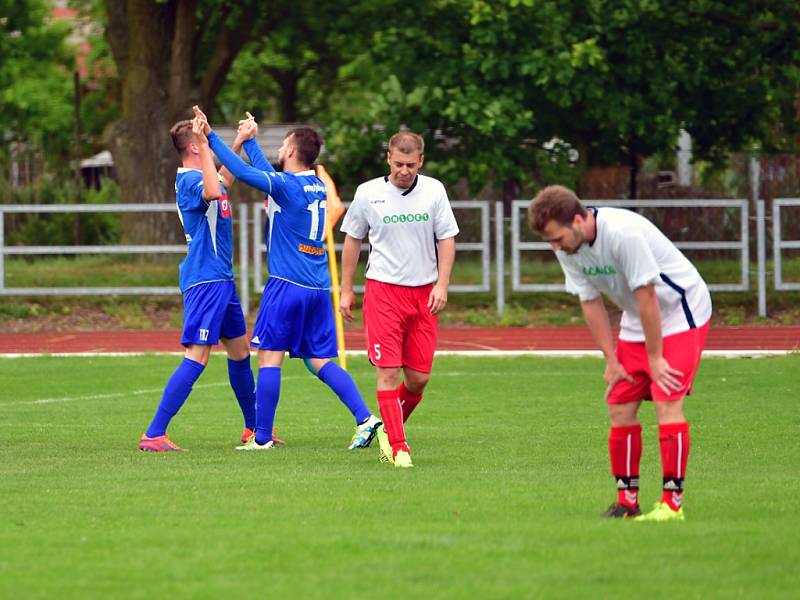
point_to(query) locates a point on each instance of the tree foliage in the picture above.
(506, 92)
(35, 79)
(490, 84)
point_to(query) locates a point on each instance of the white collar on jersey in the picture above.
(186, 169)
(304, 173)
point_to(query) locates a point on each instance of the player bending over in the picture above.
(666, 309)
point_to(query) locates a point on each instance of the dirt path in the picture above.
(456, 338)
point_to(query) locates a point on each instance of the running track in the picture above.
(455, 338)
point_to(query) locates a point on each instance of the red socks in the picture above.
(395, 407)
(408, 401)
(625, 450)
(392, 417)
(673, 439)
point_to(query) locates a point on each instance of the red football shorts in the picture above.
(682, 351)
(399, 326)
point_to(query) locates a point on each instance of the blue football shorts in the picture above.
(297, 319)
(212, 311)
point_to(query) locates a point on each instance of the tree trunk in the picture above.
(144, 159)
(155, 47)
(634, 176)
(288, 82)
(145, 163)
(511, 191)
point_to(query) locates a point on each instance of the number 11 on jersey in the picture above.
(315, 208)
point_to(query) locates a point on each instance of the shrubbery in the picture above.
(61, 229)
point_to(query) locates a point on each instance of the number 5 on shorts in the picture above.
(376, 351)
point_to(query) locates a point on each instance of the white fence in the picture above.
(742, 245)
(250, 221)
(79, 290)
(779, 244)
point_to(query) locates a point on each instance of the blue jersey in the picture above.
(209, 231)
(296, 227)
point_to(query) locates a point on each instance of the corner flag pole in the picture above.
(334, 209)
(335, 290)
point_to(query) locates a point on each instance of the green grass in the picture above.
(511, 474)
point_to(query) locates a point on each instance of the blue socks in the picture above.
(343, 386)
(241, 377)
(268, 392)
(178, 389)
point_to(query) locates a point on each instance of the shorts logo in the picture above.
(408, 218)
(225, 206)
(203, 335)
(604, 270)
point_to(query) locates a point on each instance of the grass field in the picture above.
(511, 475)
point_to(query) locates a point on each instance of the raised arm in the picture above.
(239, 169)
(256, 156)
(248, 130)
(211, 188)
(227, 176)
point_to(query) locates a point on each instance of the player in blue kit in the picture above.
(296, 314)
(212, 311)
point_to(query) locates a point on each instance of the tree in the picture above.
(169, 55)
(492, 84)
(35, 81)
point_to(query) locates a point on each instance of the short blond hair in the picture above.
(407, 142)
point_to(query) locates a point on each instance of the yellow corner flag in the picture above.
(334, 209)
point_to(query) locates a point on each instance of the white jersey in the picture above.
(630, 252)
(403, 227)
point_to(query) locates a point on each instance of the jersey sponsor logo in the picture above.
(314, 188)
(604, 270)
(406, 218)
(225, 206)
(311, 249)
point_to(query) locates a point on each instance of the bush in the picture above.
(61, 229)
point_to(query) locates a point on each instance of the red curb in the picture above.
(451, 338)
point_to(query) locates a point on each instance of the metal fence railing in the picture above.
(741, 245)
(251, 256)
(482, 245)
(779, 244)
(79, 290)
